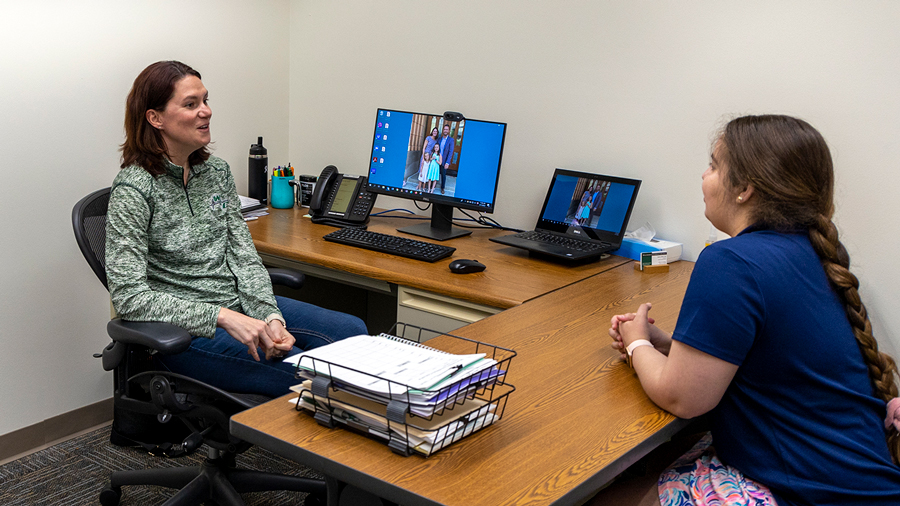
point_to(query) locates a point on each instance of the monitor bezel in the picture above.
(437, 198)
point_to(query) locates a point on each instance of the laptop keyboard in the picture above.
(566, 242)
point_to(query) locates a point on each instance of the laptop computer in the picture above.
(584, 216)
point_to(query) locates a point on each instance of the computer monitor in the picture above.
(463, 170)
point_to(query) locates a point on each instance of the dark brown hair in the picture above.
(790, 168)
(144, 145)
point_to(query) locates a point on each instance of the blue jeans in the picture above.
(223, 361)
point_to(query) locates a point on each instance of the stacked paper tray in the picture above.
(418, 399)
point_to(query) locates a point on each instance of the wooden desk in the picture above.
(577, 419)
(511, 277)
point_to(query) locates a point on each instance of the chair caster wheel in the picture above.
(313, 500)
(110, 496)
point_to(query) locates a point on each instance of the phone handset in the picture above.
(325, 181)
(340, 200)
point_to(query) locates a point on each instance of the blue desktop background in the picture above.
(614, 210)
(479, 159)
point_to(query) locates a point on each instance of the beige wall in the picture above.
(621, 87)
(628, 88)
(67, 68)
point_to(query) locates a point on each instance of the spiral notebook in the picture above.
(389, 365)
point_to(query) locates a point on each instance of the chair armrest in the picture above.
(165, 338)
(286, 277)
(169, 339)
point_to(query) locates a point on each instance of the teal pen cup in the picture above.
(282, 192)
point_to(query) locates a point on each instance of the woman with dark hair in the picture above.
(178, 250)
(772, 341)
(430, 141)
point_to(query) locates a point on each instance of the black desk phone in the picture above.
(341, 200)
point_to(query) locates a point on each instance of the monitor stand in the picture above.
(441, 227)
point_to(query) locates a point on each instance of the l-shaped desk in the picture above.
(578, 416)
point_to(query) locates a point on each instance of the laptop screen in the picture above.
(588, 205)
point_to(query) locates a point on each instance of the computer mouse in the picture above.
(464, 266)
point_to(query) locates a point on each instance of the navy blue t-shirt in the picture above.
(800, 415)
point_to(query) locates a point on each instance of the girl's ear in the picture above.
(745, 195)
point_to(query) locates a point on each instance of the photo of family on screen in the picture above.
(432, 164)
(587, 202)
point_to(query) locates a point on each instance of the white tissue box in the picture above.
(632, 248)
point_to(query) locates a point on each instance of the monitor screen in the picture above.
(425, 157)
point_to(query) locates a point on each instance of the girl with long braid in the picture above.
(773, 342)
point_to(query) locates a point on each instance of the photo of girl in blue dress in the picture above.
(434, 168)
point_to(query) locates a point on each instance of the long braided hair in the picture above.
(789, 166)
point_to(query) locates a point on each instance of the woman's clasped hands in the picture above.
(627, 328)
(273, 338)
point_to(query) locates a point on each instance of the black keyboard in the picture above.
(567, 242)
(400, 246)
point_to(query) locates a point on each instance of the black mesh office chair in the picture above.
(182, 413)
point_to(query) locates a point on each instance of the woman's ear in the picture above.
(153, 118)
(745, 195)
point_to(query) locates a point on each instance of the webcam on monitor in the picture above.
(453, 116)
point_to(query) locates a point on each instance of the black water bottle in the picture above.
(258, 175)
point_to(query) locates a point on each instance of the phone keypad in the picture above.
(363, 204)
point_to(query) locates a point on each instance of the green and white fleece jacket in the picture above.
(177, 253)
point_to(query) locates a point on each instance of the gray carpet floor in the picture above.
(74, 472)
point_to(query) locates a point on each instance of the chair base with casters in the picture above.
(173, 399)
(205, 410)
(216, 480)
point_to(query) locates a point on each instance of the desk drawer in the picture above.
(438, 312)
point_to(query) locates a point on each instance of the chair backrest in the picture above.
(89, 223)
